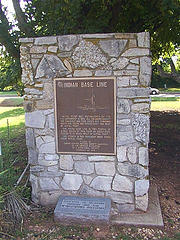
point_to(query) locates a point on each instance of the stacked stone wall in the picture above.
(124, 177)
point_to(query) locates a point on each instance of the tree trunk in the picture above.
(5, 36)
(22, 20)
(174, 74)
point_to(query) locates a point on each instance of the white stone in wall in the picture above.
(140, 107)
(121, 198)
(141, 126)
(103, 73)
(51, 121)
(27, 72)
(66, 162)
(122, 184)
(122, 81)
(132, 154)
(51, 157)
(35, 119)
(80, 157)
(30, 140)
(133, 81)
(34, 184)
(97, 35)
(50, 66)
(123, 106)
(121, 63)
(38, 49)
(39, 142)
(141, 187)
(135, 60)
(52, 49)
(132, 43)
(143, 39)
(45, 40)
(82, 73)
(34, 62)
(71, 182)
(133, 92)
(87, 179)
(46, 163)
(36, 169)
(84, 167)
(124, 35)
(113, 47)
(124, 121)
(33, 91)
(126, 73)
(142, 202)
(53, 168)
(67, 64)
(67, 42)
(87, 191)
(51, 174)
(145, 71)
(47, 148)
(143, 156)
(136, 52)
(124, 137)
(47, 184)
(102, 183)
(26, 40)
(105, 168)
(86, 54)
(132, 66)
(121, 153)
(133, 170)
(101, 158)
(32, 156)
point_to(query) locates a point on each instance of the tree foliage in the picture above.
(55, 17)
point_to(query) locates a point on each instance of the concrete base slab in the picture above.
(151, 218)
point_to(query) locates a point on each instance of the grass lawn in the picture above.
(170, 90)
(8, 93)
(165, 104)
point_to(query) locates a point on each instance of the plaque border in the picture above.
(55, 114)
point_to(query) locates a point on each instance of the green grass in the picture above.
(170, 90)
(12, 138)
(8, 93)
(165, 99)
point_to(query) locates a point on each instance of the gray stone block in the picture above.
(120, 198)
(101, 183)
(32, 156)
(141, 202)
(105, 168)
(133, 92)
(122, 184)
(35, 119)
(113, 47)
(45, 40)
(84, 167)
(30, 140)
(141, 187)
(66, 162)
(143, 156)
(48, 184)
(71, 182)
(125, 208)
(67, 42)
(133, 170)
(87, 191)
(82, 209)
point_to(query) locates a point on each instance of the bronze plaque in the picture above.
(85, 115)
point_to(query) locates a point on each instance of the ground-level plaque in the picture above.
(85, 115)
(82, 209)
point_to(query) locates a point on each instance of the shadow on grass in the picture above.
(11, 102)
(12, 113)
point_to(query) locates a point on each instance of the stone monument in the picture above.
(87, 117)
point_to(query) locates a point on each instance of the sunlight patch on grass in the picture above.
(166, 105)
(15, 117)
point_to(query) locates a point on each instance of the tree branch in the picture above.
(23, 25)
(5, 37)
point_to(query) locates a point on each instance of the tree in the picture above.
(55, 17)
